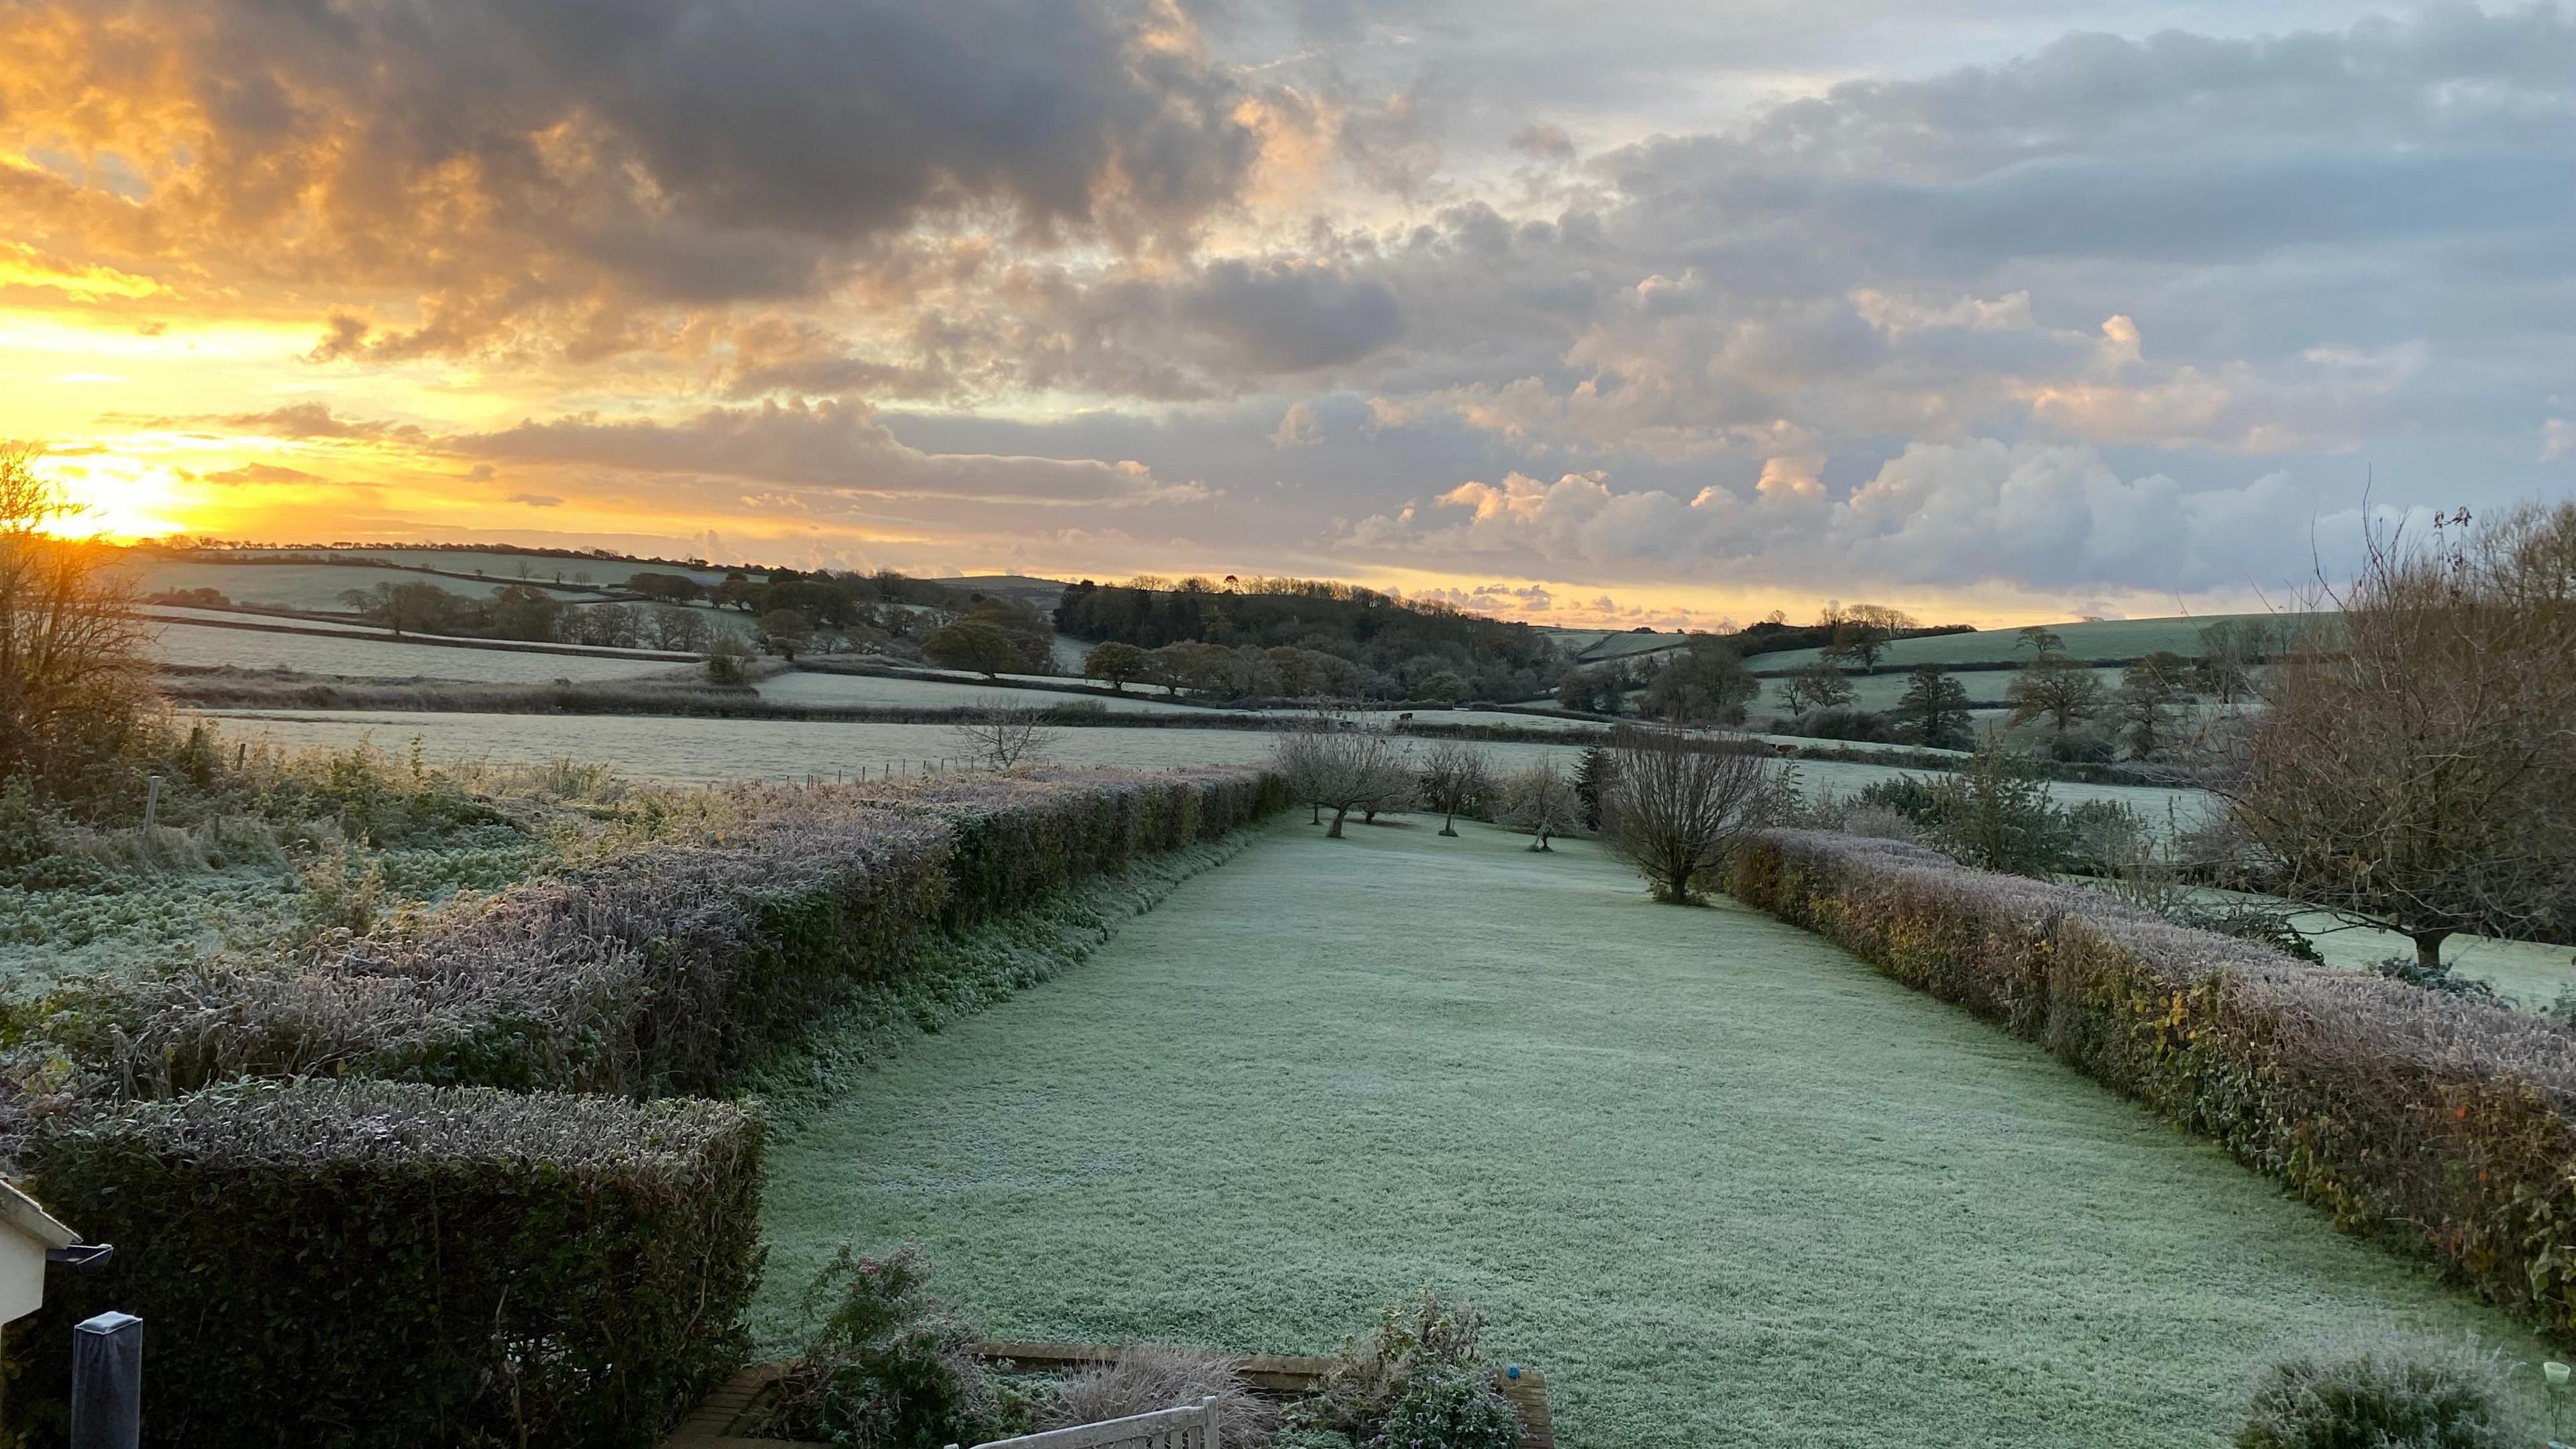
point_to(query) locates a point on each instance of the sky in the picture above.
(1584, 314)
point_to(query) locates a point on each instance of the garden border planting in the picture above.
(2416, 1118)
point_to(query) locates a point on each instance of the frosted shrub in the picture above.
(888, 1366)
(1148, 1377)
(1418, 1374)
(2387, 1394)
(1449, 1408)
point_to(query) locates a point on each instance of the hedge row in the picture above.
(661, 970)
(340, 1233)
(2411, 1115)
(387, 1264)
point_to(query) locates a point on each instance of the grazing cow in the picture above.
(1405, 718)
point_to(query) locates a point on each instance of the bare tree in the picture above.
(1543, 802)
(1001, 736)
(1455, 777)
(2414, 763)
(70, 670)
(2057, 687)
(1332, 765)
(1679, 807)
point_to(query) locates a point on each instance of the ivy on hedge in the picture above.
(2432, 1122)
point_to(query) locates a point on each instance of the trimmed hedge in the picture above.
(662, 970)
(2413, 1116)
(333, 1264)
(407, 1256)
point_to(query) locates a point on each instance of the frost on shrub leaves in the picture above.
(2385, 1394)
(1419, 1375)
(888, 1366)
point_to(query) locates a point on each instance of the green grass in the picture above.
(2106, 639)
(1722, 1181)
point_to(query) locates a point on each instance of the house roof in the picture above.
(29, 1217)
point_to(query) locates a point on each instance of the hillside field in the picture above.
(367, 657)
(1720, 1180)
(2101, 639)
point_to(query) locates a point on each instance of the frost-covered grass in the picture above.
(836, 690)
(319, 586)
(367, 658)
(700, 750)
(1725, 1183)
(2105, 639)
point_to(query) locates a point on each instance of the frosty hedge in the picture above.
(2413, 1116)
(347, 1290)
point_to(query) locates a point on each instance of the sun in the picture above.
(120, 498)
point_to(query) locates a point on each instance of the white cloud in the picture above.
(1937, 516)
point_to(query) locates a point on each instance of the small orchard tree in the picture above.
(1933, 711)
(972, 644)
(1816, 686)
(1003, 736)
(1455, 781)
(1335, 767)
(1679, 807)
(1115, 662)
(1541, 801)
(2414, 763)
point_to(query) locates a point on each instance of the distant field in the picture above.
(1881, 691)
(836, 690)
(306, 586)
(2109, 639)
(382, 659)
(700, 750)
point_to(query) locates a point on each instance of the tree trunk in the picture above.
(2428, 948)
(1315, 812)
(1336, 832)
(1449, 823)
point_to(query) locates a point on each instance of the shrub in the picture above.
(374, 1263)
(2434, 977)
(2390, 1394)
(888, 1367)
(1409, 1364)
(1148, 1377)
(1449, 1408)
(2432, 1121)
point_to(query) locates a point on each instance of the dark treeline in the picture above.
(1397, 649)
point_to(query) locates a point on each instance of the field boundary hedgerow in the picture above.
(2431, 1123)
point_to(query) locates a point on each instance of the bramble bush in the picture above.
(2429, 1120)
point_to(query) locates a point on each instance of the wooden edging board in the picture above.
(716, 1422)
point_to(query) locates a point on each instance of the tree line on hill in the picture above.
(1299, 637)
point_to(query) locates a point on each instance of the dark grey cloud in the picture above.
(504, 158)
